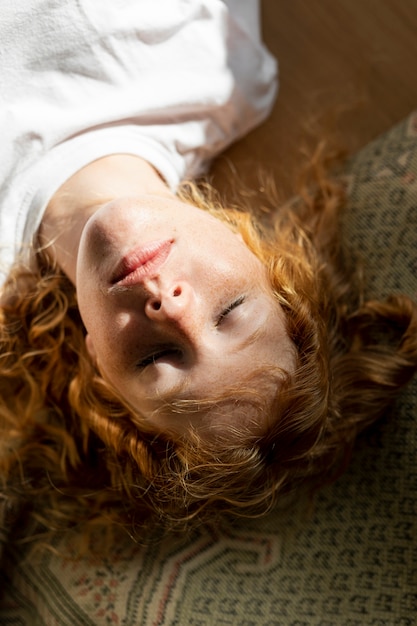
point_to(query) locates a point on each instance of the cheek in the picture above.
(236, 255)
(119, 342)
(88, 305)
(220, 262)
(97, 323)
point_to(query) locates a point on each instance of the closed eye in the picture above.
(229, 309)
(160, 354)
(174, 352)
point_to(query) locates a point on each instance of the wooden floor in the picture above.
(360, 55)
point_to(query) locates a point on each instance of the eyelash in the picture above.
(229, 309)
(152, 358)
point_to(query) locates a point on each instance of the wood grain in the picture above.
(357, 55)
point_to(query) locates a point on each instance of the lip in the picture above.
(142, 263)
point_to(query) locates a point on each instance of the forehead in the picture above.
(228, 405)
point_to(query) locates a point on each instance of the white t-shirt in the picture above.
(172, 81)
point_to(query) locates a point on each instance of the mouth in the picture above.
(141, 263)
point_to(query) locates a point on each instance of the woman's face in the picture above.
(174, 303)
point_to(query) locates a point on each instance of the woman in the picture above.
(161, 354)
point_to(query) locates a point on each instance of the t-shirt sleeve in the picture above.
(172, 81)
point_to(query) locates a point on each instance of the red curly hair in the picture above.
(73, 453)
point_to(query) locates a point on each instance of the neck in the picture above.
(106, 179)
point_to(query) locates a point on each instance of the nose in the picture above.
(174, 304)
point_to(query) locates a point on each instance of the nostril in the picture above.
(177, 292)
(156, 305)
